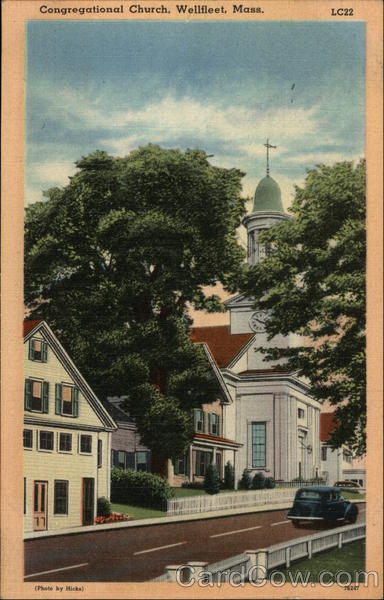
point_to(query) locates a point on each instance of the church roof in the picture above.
(327, 425)
(223, 345)
(267, 196)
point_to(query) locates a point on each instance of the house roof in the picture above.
(223, 345)
(327, 425)
(215, 439)
(28, 325)
(116, 413)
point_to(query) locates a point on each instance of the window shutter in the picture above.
(75, 401)
(195, 419)
(58, 394)
(203, 421)
(218, 432)
(130, 460)
(44, 352)
(45, 396)
(209, 423)
(27, 395)
(31, 349)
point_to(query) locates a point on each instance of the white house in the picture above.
(66, 438)
(272, 414)
(338, 464)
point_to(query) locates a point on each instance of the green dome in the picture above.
(267, 196)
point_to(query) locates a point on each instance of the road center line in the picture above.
(159, 548)
(279, 523)
(236, 531)
(56, 570)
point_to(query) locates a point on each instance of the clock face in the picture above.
(257, 321)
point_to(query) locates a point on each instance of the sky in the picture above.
(224, 87)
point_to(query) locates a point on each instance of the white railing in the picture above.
(257, 563)
(230, 501)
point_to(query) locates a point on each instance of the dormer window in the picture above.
(38, 350)
(66, 400)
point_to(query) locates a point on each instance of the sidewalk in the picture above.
(162, 520)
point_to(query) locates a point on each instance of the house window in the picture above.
(61, 498)
(347, 456)
(86, 444)
(46, 440)
(65, 442)
(300, 413)
(27, 438)
(36, 395)
(38, 350)
(99, 454)
(258, 445)
(324, 453)
(214, 424)
(119, 459)
(203, 459)
(142, 461)
(181, 465)
(66, 400)
(199, 420)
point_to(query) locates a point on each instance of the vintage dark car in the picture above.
(317, 503)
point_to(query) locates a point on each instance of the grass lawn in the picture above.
(348, 495)
(185, 492)
(349, 558)
(137, 512)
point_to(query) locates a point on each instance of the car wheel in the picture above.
(352, 519)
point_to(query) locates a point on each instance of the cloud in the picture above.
(53, 172)
(235, 133)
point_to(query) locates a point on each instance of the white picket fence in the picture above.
(230, 501)
(257, 563)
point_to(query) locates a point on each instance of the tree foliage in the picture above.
(312, 283)
(212, 480)
(112, 261)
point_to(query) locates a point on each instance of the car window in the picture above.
(309, 495)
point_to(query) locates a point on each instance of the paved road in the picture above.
(141, 553)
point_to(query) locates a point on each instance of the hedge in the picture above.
(140, 488)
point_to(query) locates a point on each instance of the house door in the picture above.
(40, 505)
(88, 500)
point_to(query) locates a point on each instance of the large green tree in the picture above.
(312, 282)
(113, 260)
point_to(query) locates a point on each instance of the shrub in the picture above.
(229, 476)
(103, 507)
(212, 480)
(258, 482)
(140, 488)
(269, 483)
(245, 482)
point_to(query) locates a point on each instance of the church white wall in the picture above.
(276, 403)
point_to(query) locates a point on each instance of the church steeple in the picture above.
(267, 210)
(268, 146)
(268, 195)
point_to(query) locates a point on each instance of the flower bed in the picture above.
(113, 518)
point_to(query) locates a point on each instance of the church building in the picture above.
(272, 414)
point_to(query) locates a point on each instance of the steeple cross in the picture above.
(268, 146)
